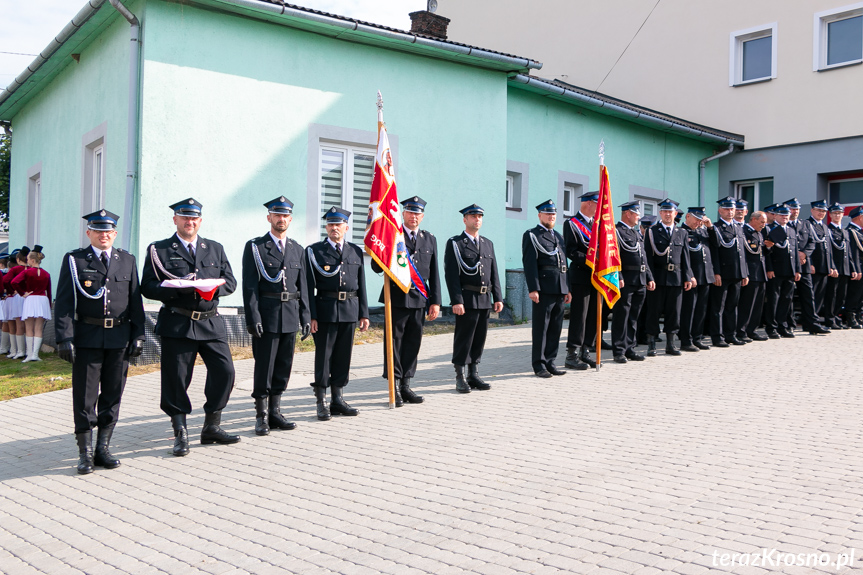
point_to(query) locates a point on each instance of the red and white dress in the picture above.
(14, 303)
(38, 282)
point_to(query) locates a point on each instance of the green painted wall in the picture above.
(550, 135)
(226, 111)
(50, 128)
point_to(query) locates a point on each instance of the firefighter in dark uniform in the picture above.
(409, 309)
(693, 310)
(781, 243)
(636, 280)
(99, 325)
(276, 304)
(668, 258)
(805, 288)
(544, 262)
(730, 274)
(752, 295)
(337, 299)
(470, 270)
(822, 257)
(189, 324)
(641, 329)
(846, 269)
(582, 310)
(854, 299)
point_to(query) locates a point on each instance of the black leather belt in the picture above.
(107, 322)
(554, 268)
(339, 295)
(195, 315)
(282, 295)
(479, 289)
(634, 268)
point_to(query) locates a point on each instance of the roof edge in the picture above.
(631, 112)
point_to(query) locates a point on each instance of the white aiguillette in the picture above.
(205, 288)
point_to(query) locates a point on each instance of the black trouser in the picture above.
(693, 310)
(819, 290)
(666, 300)
(334, 345)
(834, 298)
(780, 296)
(274, 358)
(751, 305)
(853, 300)
(469, 339)
(582, 316)
(178, 365)
(407, 338)
(806, 295)
(723, 308)
(545, 330)
(624, 322)
(92, 367)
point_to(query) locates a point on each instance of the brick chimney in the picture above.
(429, 24)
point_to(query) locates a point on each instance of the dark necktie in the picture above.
(339, 250)
(280, 246)
(191, 250)
(105, 260)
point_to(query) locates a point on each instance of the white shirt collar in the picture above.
(277, 240)
(341, 244)
(475, 239)
(99, 252)
(194, 241)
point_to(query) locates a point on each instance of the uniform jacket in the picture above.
(350, 277)
(423, 252)
(544, 273)
(757, 263)
(35, 280)
(122, 301)
(576, 250)
(784, 261)
(275, 315)
(11, 274)
(804, 241)
(700, 259)
(677, 257)
(838, 242)
(822, 255)
(485, 276)
(210, 263)
(728, 262)
(855, 247)
(633, 260)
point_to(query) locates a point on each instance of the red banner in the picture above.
(602, 254)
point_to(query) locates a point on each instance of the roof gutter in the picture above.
(702, 171)
(387, 34)
(79, 20)
(132, 121)
(620, 110)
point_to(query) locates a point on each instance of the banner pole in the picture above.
(598, 329)
(388, 341)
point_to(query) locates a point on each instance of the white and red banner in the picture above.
(384, 240)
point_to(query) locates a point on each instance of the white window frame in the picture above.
(570, 191)
(643, 202)
(756, 193)
(93, 196)
(347, 201)
(34, 204)
(820, 23)
(735, 50)
(510, 191)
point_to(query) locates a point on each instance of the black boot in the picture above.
(274, 416)
(261, 425)
(473, 379)
(398, 394)
(670, 348)
(407, 393)
(212, 432)
(102, 456)
(584, 357)
(338, 406)
(651, 346)
(573, 361)
(323, 408)
(85, 452)
(181, 435)
(461, 385)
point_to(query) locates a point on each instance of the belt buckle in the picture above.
(643, 268)
(108, 323)
(563, 269)
(483, 290)
(670, 267)
(284, 296)
(196, 315)
(343, 296)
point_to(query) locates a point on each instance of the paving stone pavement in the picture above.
(661, 466)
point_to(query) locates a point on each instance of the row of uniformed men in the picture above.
(732, 276)
(99, 316)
